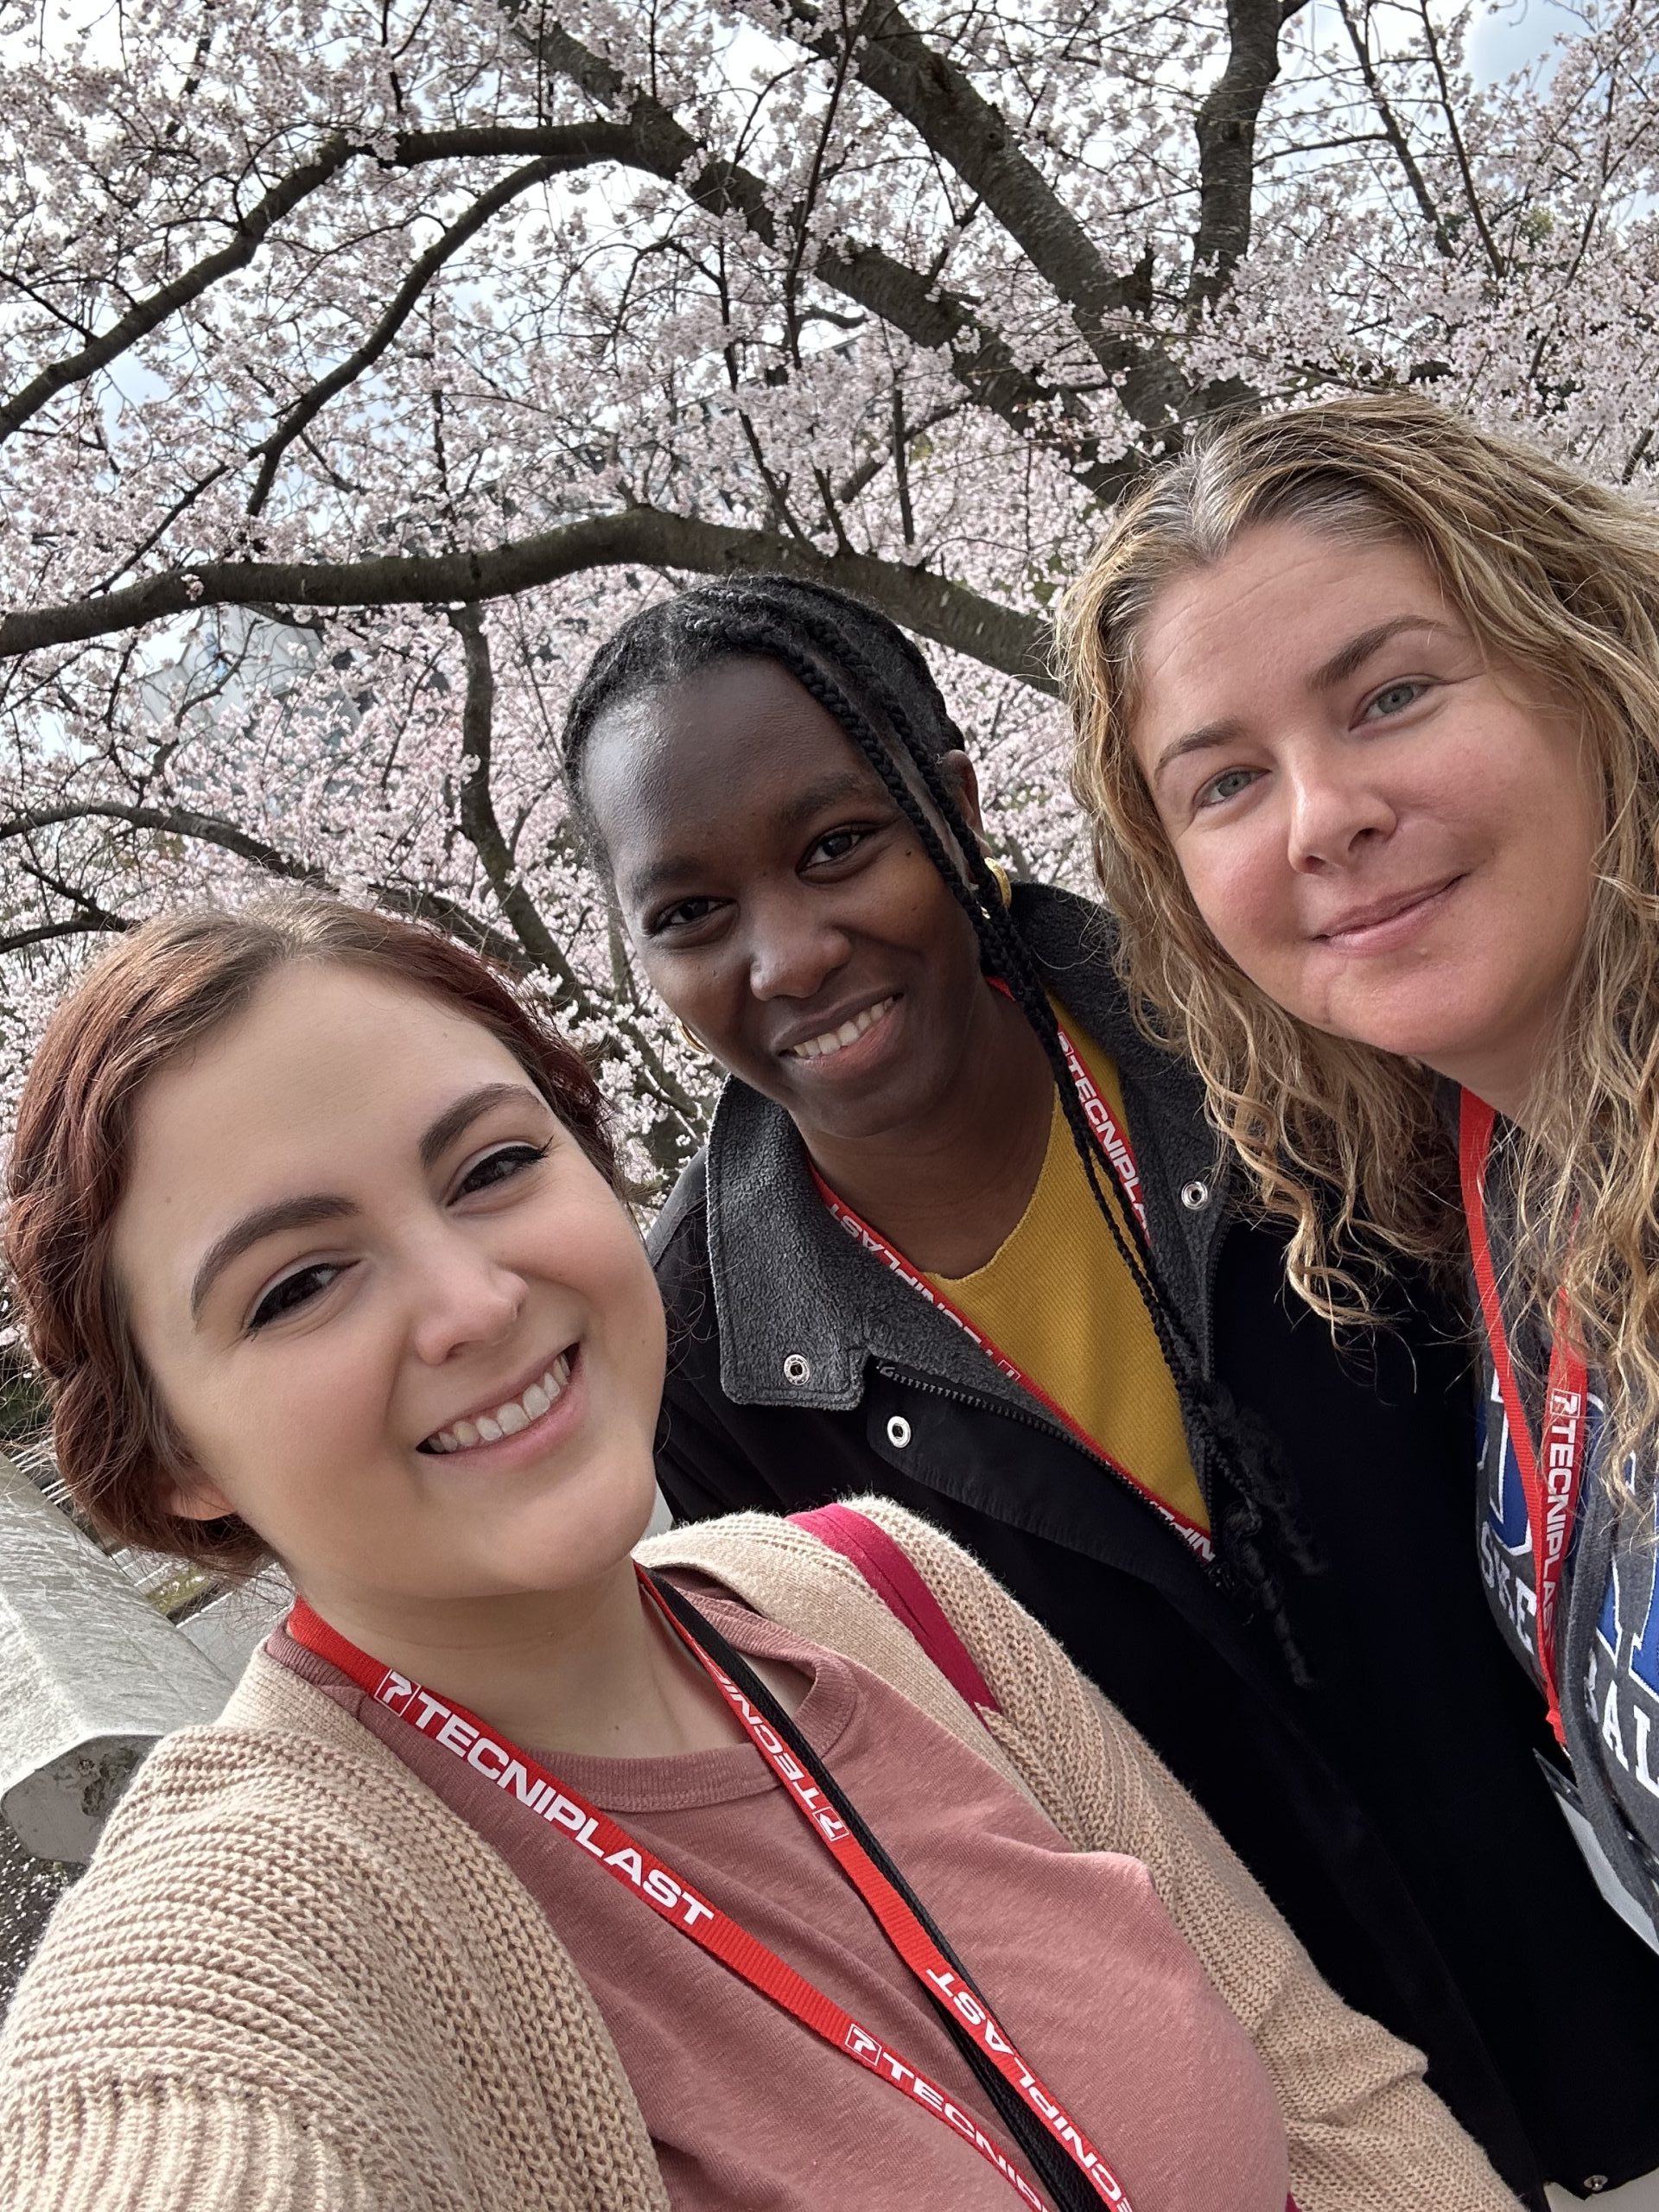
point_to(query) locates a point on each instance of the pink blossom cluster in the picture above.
(322, 322)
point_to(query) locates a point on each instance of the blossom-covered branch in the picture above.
(363, 363)
(949, 612)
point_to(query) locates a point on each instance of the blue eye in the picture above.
(1226, 786)
(1402, 695)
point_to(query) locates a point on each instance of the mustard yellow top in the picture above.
(1057, 1298)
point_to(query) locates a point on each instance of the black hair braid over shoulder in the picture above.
(866, 674)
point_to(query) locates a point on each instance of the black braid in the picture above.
(1237, 1504)
(821, 635)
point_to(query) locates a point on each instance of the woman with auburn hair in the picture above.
(1368, 713)
(315, 1231)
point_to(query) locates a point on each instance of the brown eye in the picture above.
(499, 1166)
(684, 915)
(293, 1292)
(837, 845)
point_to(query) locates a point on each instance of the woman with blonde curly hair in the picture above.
(1368, 713)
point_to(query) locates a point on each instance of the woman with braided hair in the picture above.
(962, 1237)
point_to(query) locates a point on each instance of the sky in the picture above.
(1507, 37)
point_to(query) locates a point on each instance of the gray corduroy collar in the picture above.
(801, 1306)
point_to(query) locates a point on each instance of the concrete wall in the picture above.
(92, 1673)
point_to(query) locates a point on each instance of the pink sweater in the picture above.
(745, 2108)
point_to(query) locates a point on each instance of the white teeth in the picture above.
(833, 1041)
(507, 1419)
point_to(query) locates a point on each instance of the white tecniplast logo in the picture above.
(869, 2050)
(396, 1690)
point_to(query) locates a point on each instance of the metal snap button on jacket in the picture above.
(899, 1431)
(796, 1368)
(1194, 1196)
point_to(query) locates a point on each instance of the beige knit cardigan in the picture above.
(292, 1980)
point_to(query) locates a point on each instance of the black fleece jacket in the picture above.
(1392, 1808)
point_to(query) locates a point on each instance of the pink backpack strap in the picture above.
(888, 1569)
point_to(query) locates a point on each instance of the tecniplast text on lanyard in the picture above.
(1551, 1478)
(519, 1773)
(1114, 1144)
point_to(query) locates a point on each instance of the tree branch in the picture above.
(421, 903)
(146, 314)
(950, 613)
(1395, 134)
(1460, 152)
(169, 821)
(1226, 133)
(418, 905)
(583, 143)
(941, 104)
(653, 141)
(911, 299)
(88, 910)
(481, 829)
(483, 210)
(86, 923)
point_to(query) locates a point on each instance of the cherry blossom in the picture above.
(360, 366)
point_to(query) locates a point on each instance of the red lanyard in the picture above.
(1115, 1143)
(1551, 1489)
(675, 1901)
(1112, 1141)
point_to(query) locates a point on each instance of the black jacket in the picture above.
(1392, 1809)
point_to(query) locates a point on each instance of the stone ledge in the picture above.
(91, 1675)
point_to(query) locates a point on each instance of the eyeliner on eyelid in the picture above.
(335, 1269)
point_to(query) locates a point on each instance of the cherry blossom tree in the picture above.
(363, 361)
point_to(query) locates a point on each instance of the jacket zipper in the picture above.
(1212, 1268)
(929, 1387)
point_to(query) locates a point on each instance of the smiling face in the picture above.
(1394, 840)
(781, 902)
(401, 1323)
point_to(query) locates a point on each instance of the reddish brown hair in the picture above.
(161, 993)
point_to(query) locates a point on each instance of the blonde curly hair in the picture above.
(1558, 578)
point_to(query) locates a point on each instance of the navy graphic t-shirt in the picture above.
(1621, 1686)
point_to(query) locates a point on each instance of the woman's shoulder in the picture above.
(677, 1236)
(1035, 1718)
(799, 1564)
(244, 1847)
(284, 1938)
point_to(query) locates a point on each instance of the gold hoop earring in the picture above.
(1000, 877)
(693, 1040)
